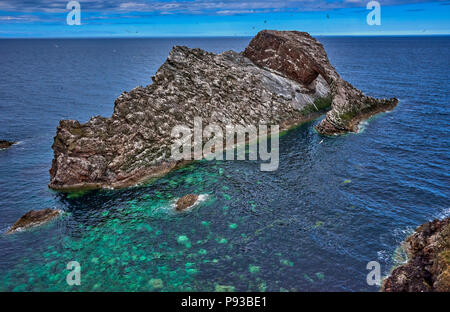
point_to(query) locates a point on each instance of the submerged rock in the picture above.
(156, 283)
(5, 144)
(224, 288)
(428, 268)
(282, 78)
(186, 201)
(34, 218)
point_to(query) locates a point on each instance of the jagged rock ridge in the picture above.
(428, 268)
(228, 88)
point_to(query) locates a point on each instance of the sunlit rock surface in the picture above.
(33, 218)
(282, 78)
(5, 144)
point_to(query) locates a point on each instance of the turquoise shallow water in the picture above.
(333, 205)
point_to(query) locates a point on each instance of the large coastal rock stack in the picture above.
(282, 78)
(428, 268)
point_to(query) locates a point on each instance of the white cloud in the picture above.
(188, 7)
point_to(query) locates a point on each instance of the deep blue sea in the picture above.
(312, 225)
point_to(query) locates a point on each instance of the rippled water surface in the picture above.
(333, 205)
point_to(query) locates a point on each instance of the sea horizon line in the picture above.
(219, 36)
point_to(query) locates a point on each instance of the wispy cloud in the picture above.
(189, 6)
(21, 18)
(47, 18)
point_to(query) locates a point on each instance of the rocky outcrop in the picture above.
(298, 56)
(33, 218)
(186, 201)
(5, 144)
(428, 268)
(228, 88)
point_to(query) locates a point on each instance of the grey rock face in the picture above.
(134, 143)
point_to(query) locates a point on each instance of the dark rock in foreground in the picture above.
(5, 144)
(428, 268)
(186, 201)
(282, 78)
(34, 218)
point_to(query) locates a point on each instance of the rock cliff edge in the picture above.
(428, 267)
(282, 78)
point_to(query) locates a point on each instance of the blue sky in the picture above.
(169, 18)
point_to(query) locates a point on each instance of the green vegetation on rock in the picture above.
(319, 105)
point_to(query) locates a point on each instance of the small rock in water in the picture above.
(186, 202)
(34, 218)
(320, 275)
(5, 144)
